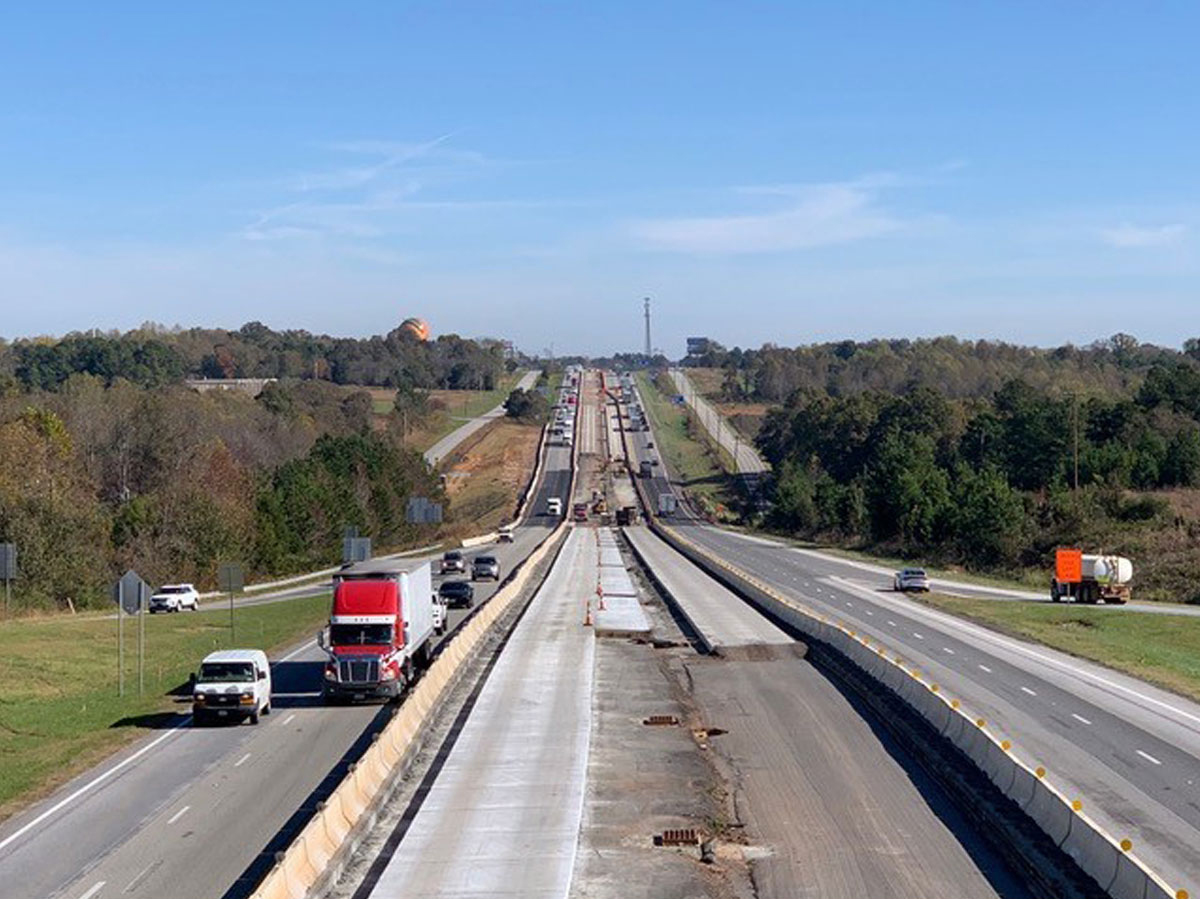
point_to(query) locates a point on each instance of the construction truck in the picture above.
(1090, 578)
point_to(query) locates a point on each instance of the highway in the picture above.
(440, 450)
(198, 812)
(742, 451)
(1129, 750)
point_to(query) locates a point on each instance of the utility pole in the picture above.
(1075, 428)
(649, 349)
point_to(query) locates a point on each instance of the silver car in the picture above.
(911, 580)
(485, 567)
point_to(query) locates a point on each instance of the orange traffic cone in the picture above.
(600, 593)
(587, 615)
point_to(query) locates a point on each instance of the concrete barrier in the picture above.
(470, 542)
(313, 853)
(1109, 861)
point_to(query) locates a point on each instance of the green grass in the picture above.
(689, 460)
(1162, 649)
(59, 709)
(462, 405)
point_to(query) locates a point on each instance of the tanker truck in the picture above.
(1089, 577)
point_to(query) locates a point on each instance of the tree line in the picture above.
(153, 356)
(96, 478)
(988, 481)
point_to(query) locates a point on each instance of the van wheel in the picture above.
(254, 717)
(267, 709)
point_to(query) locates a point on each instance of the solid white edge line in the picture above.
(96, 888)
(67, 800)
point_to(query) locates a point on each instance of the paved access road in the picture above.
(742, 451)
(1129, 750)
(193, 813)
(503, 816)
(440, 450)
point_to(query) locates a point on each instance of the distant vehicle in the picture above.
(580, 511)
(453, 561)
(626, 515)
(646, 469)
(554, 507)
(457, 594)
(667, 504)
(505, 534)
(441, 614)
(910, 580)
(649, 444)
(380, 629)
(175, 598)
(1090, 578)
(485, 567)
(234, 684)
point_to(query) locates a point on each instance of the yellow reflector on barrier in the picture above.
(1077, 804)
(1126, 845)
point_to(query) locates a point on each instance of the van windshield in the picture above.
(360, 634)
(226, 672)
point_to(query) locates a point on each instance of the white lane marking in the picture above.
(1029, 652)
(179, 814)
(892, 623)
(1080, 718)
(1148, 757)
(96, 888)
(918, 636)
(985, 668)
(239, 762)
(141, 876)
(295, 652)
(948, 649)
(288, 719)
(63, 803)
(1027, 690)
(869, 612)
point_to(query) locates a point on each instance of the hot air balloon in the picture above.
(417, 327)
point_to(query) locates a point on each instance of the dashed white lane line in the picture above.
(892, 623)
(239, 762)
(179, 814)
(948, 650)
(96, 888)
(1148, 757)
(1027, 690)
(1080, 718)
(289, 719)
(985, 668)
(918, 636)
(869, 612)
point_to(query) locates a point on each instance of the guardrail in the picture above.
(528, 492)
(1109, 860)
(320, 848)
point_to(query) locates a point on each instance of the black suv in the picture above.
(457, 594)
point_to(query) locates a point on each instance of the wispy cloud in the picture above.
(1127, 235)
(810, 216)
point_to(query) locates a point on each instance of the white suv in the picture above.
(175, 598)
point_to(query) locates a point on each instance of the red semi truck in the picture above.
(380, 629)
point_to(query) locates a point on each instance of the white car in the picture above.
(175, 598)
(232, 684)
(911, 580)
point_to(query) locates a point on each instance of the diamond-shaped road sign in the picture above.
(130, 592)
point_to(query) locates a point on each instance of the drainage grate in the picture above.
(661, 720)
(679, 836)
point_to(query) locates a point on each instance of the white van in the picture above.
(232, 684)
(554, 507)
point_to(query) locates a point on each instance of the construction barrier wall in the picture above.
(307, 862)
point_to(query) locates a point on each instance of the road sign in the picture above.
(356, 549)
(421, 510)
(130, 592)
(231, 578)
(8, 561)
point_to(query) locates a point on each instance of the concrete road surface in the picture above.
(446, 445)
(502, 818)
(195, 813)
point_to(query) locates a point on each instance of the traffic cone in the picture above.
(587, 615)
(600, 593)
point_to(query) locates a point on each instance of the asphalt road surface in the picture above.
(446, 445)
(197, 812)
(1129, 750)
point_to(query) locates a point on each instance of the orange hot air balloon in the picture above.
(417, 327)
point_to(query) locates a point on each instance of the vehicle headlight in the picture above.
(388, 673)
(199, 697)
(331, 671)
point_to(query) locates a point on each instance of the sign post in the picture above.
(8, 571)
(231, 579)
(130, 593)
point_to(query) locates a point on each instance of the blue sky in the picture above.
(780, 172)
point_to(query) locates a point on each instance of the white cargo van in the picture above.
(232, 684)
(554, 507)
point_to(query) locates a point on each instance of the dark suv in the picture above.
(457, 594)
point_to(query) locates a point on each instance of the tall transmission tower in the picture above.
(649, 350)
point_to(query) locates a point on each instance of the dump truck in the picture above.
(626, 515)
(1090, 577)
